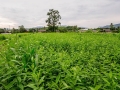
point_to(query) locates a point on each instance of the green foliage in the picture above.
(89, 31)
(15, 30)
(61, 61)
(52, 28)
(68, 29)
(62, 29)
(2, 30)
(53, 20)
(112, 28)
(2, 37)
(22, 29)
(32, 30)
(118, 29)
(72, 28)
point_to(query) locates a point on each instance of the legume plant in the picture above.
(60, 61)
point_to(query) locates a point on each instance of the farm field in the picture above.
(60, 61)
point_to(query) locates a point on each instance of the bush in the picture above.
(2, 30)
(2, 37)
(62, 29)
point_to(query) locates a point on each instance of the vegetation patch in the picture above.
(2, 37)
(61, 61)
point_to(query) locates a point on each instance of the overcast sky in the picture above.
(84, 13)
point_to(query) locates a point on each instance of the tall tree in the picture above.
(22, 29)
(53, 20)
(118, 29)
(112, 27)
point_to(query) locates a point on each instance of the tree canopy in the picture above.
(53, 20)
(22, 29)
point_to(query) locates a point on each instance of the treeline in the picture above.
(115, 30)
(22, 29)
(68, 29)
(111, 28)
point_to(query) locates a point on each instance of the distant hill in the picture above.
(38, 27)
(108, 26)
(35, 27)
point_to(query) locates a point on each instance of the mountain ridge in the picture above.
(108, 26)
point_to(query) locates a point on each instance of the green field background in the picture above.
(60, 61)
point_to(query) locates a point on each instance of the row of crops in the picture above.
(60, 61)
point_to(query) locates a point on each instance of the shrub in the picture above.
(2, 37)
(62, 29)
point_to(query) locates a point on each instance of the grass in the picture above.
(60, 61)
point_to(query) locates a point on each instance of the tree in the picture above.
(2, 30)
(22, 29)
(15, 30)
(62, 29)
(32, 30)
(112, 27)
(75, 28)
(118, 29)
(53, 20)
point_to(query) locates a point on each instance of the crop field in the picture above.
(60, 61)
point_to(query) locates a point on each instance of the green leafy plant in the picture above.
(60, 61)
